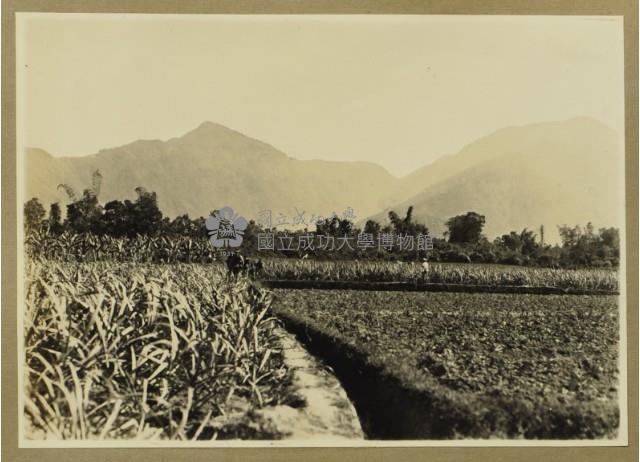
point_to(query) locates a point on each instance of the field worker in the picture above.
(247, 266)
(254, 267)
(235, 264)
(425, 267)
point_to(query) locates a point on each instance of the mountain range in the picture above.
(549, 174)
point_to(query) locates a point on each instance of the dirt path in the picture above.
(328, 414)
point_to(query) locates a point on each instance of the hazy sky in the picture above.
(397, 90)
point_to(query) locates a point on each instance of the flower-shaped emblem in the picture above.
(226, 228)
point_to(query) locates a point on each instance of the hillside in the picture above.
(211, 167)
(544, 174)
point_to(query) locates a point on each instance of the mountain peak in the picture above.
(208, 127)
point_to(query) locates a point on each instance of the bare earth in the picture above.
(328, 414)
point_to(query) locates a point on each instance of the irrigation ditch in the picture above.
(324, 411)
(390, 409)
(387, 409)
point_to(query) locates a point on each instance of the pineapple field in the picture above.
(155, 338)
(145, 351)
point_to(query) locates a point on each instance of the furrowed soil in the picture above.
(443, 365)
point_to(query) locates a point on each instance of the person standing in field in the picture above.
(235, 265)
(425, 269)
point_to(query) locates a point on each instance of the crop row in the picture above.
(441, 273)
(181, 249)
(71, 247)
(146, 351)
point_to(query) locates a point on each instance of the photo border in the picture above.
(628, 9)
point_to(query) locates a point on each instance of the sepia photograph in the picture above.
(320, 230)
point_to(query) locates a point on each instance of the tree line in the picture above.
(463, 241)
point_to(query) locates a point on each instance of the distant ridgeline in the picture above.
(543, 174)
(138, 231)
(528, 179)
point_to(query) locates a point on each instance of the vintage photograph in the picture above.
(320, 230)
